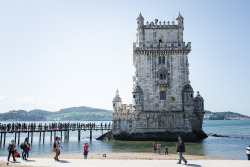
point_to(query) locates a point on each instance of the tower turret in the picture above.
(198, 103)
(117, 104)
(138, 98)
(180, 21)
(187, 95)
(140, 21)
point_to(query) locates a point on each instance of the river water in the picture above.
(232, 147)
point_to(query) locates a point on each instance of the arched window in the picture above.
(159, 60)
(163, 60)
(160, 40)
(162, 95)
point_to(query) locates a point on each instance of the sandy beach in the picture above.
(112, 158)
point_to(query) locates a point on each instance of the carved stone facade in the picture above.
(164, 106)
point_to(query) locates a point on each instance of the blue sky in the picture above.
(57, 54)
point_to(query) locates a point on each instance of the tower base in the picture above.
(161, 136)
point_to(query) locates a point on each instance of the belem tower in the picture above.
(164, 106)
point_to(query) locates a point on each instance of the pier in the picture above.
(52, 129)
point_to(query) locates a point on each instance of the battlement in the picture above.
(124, 112)
(172, 46)
(161, 25)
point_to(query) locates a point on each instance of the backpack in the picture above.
(9, 147)
(22, 146)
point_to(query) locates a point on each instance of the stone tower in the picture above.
(164, 106)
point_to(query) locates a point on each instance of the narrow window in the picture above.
(160, 41)
(159, 60)
(113, 104)
(191, 95)
(161, 76)
(162, 95)
(164, 76)
(133, 96)
(163, 60)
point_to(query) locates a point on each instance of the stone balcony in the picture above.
(171, 46)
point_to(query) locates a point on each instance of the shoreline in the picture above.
(131, 156)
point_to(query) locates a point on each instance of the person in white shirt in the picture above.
(159, 147)
(248, 152)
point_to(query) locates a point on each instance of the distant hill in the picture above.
(227, 115)
(83, 113)
(68, 114)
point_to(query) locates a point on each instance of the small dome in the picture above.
(198, 96)
(188, 88)
(137, 88)
(117, 97)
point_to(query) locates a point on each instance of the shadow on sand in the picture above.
(63, 161)
(28, 160)
(194, 165)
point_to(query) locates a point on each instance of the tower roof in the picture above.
(198, 96)
(140, 17)
(137, 88)
(188, 88)
(117, 97)
(179, 16)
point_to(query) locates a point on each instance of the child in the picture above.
(166, 150)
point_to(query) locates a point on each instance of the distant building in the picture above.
(164, 106)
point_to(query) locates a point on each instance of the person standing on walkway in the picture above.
(180, 149)
(11, 149)
(85, 150)
(159, 147)
(166, 150)
(25, 152)
(58, 139)
(248, 152)
(154, 146)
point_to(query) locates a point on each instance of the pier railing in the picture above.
(54, 127)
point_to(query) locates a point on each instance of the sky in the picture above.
(67, 53)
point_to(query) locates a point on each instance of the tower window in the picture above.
(162, 95)
(163, 76)
(113, 104)
(191, 95)
(159, 60)
(133, 96)
(160, 41)
(163, 60)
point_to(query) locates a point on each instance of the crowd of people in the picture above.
(51, 126)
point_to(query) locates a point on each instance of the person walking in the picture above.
(25, 153)
(154, 146)
(248, 152)
(180, 149)
(11, 149)
(58, 146)
(166, 150)
(159, 147)
(85, 150)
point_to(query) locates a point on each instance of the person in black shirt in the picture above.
(11, 149)
(180, 149)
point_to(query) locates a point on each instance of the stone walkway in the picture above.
(45, 162)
